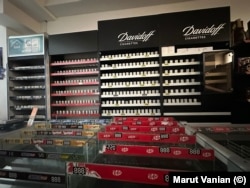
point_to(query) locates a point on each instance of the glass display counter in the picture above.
(229, 141)
(123, 152)
(38, 154)
(131, 155)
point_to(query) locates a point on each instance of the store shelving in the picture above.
(74, 75)
(27, 77)
(197, 83)
(74, 85)
(181, 82)
(130, 83)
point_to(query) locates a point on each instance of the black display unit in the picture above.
(27, 59)
(182, 80)
(173, 56)
(146, 68)
(74, 75)
(241, 83)
(130, 67)
(197, 86)
(196, 74)
(130, 83)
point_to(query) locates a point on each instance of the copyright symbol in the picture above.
(239, 180)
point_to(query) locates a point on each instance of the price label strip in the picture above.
(55, 142)
(151, 176)
(157, 151)
(41, 155)
(148, 129)
(61, 126)
(148, 137)
(37, 177)
(117, 118)
(146, 123)
(64, 133)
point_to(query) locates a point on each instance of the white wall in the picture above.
(4, 33)
(239, 9)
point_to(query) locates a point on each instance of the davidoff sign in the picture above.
(212, 30)
(177, 28)
(191, 32)
(128, 33)
(134, 39)
(203, 26)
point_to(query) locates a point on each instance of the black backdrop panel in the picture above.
(128, 33)
(195, 27)
(78, 42)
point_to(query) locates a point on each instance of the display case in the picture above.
(241, 80)
(130, 83)
(27, 79)
(74, 75)
(75, 88)
(142, 151)
(218, 69)
(197, 83)
(181, 81)
(38, 154)
(229, 141)
(217, 93)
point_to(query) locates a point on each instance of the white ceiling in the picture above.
(30, 16)
(48, 10)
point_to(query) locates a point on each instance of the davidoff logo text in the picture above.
(143, 37)
(209, 30)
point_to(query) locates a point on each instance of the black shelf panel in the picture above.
(74, 72)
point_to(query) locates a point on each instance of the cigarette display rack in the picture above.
(130, 83)
(141, 151)
(74, 75)
(74, 85)
(27, 59)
